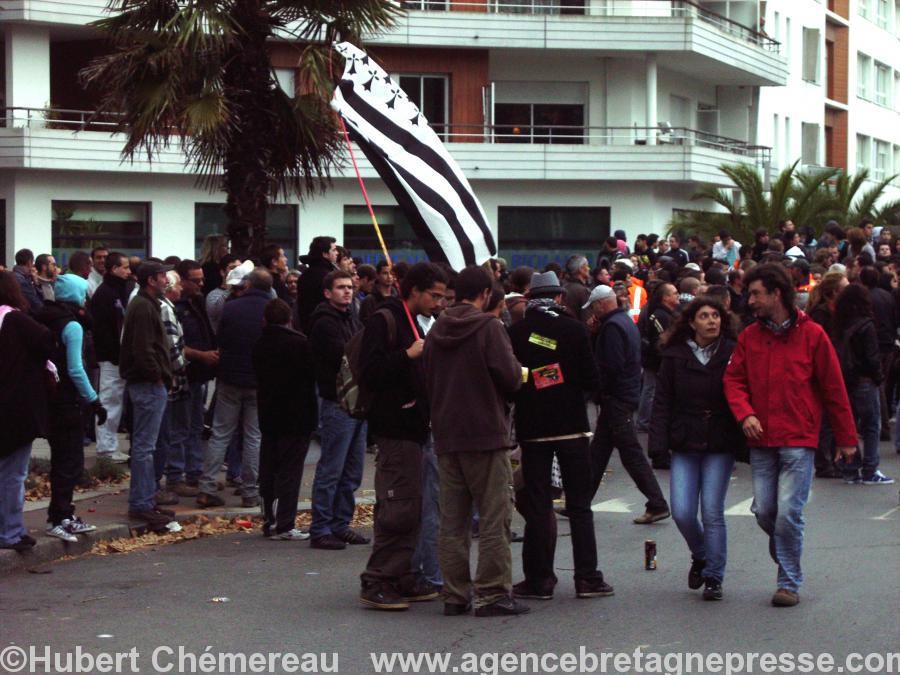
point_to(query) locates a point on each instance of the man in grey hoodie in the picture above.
(471, 372)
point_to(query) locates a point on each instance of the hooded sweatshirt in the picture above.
(65, 321)
(471, 374)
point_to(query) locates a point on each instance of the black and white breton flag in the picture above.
(410, 158)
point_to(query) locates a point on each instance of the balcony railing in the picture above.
(59, 118)
(554, 134)
(604, 8)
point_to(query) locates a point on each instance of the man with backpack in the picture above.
(391, 367)
(340, 468)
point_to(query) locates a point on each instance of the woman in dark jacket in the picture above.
(25, 346)
(692, 418)
(855, 338)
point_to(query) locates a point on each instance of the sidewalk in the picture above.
(107, 508)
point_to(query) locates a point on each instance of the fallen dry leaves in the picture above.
(37, 485)
(204, 526)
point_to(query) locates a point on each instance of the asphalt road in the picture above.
(286, 597)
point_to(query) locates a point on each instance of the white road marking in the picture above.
(740, 509)
(612, 506)
(887, 515)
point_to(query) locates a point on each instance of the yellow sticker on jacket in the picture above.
(541, 341)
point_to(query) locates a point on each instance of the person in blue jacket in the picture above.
(68, 322)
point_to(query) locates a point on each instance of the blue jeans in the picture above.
(865, 398)
(701, 479)
(235, 407)
(425, 559)
(781, 482)
(188, 465)
(645, 406)
(148, 402)
(338, 472)
(13, 471)
(173, 436)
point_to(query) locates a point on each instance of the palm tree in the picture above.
(793, 196)
(199, 71)
(850, 204)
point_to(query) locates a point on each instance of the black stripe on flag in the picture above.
(419, 149)
(433, 249)
(388, 171)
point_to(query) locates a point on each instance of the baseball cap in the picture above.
(601, 292)
(237, 275)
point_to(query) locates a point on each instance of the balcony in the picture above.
(70, 140)
(708, 44)
(54, 12)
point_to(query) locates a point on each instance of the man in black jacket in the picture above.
(551, 417)
(239, 329)
(886, 321)
(618, 353)
(183, 469)
(321, 259)
(286, 395)
(108, 311)
(653, 322)
(340, 468)
(398, 418)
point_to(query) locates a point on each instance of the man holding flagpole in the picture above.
(391, 365)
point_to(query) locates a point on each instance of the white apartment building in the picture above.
(571, 119)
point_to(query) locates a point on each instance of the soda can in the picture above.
(650, 554)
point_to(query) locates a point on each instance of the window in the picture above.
(863, 152)
(788, 152)
(883, 15)
(897, 164)
(281, 226)
(882, 84)
(862, 7)
(360, 237)
(535, 236)
(776, 145)
(541, 6)
(882, 157)
(81, 226)
(287, 80)
(425, 4)
(811, 54)
(809, 150)
(897, 18)
(787, 39)
(539, 123)
(863, 75)
(431, 94)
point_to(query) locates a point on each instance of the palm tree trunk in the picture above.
(246, 181)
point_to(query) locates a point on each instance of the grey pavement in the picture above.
(287, 597)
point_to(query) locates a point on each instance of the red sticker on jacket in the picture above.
(547, 376)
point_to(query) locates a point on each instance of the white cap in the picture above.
(601, 292)
(795, 252)
(237, 275)
(693, 267)
(626, 262)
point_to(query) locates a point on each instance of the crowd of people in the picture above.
(779, 353)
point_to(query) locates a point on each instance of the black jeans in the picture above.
(615, 429)
(281, 459)
(66, 439)
(398, 512)
(535, 503)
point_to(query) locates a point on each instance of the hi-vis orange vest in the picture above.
(637, 298)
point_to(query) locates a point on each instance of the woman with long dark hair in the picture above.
(856, 341)
(25, 345)
(692, 418)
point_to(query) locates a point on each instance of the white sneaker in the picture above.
(291, 535)
(61, 532)
(117, 457)
(77, 526)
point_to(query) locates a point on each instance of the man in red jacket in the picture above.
(783, 370)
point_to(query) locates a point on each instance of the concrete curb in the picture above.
(49, 549)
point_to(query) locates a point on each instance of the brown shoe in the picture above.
(165, 498)
(652, 517)
(785, 598)
(207, 501)
(183, 490)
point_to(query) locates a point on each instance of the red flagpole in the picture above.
(384, 248)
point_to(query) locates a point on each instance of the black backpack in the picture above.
(354, 398)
